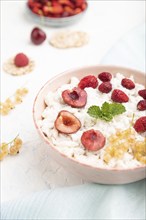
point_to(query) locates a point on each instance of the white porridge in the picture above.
(71, 144)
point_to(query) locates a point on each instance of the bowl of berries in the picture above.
(56, 13)
(93, 122)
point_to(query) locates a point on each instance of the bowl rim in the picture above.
(54, 18)
(55, 148)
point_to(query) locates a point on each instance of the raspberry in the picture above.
(105, 87)
(105, 76)
(21, 60)
(88, 81)
(128, 83)
(141, 106)
(140, 125)
(119, 96)
(142, 93)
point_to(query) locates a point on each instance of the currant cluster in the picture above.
(10, 103)
(11, 148)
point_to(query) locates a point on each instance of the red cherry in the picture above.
(38, 36)
(93, 140)
(67, 123)
(76, 97)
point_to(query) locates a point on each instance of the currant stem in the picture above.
(11, 141)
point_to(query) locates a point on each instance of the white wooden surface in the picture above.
(106, 22)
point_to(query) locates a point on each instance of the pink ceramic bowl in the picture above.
(90, 173)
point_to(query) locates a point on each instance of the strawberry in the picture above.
(142, 93)
(119, 96)
(66, 2)
(141, 106)
(69, 10)
(47, 9)
(105, 87)
(88, 81)
(128, 83)
(79, 2)
(77, 11)
(105, 76)
(140, 125)
(21, 60)
(56, 7)
(35, 10)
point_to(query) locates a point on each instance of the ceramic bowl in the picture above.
(55, 22)
(88, 172)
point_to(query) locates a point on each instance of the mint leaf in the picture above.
(112, 108)
(107, 117)
(117, 109)
(107, 111)
(106, 108)
(94, 111)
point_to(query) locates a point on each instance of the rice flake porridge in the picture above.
(99, 121)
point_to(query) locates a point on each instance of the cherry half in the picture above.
(67, 123)
(76, 97)
(93, 140)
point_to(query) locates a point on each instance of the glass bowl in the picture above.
(55, 22)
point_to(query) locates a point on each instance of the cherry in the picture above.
(76, 97)
(93, 140)
(67, 123)
(38, 36)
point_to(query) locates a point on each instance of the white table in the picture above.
(106, 22)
